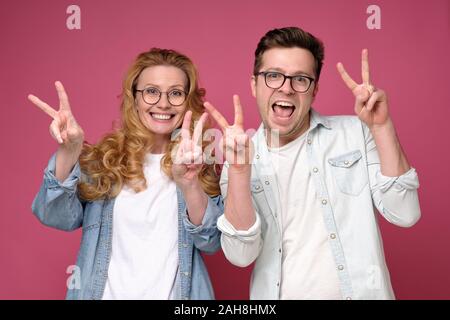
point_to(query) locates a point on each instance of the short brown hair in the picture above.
(290, 37)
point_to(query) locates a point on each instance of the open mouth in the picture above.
(161, 116)
(283, 109)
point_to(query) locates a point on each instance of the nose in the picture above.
(163, 102)
(286, 88)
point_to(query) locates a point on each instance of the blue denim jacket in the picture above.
(57, 205)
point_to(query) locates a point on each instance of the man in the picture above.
(304, 207)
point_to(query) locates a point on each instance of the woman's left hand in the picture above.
(188, 160)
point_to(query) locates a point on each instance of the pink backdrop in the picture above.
(408, 58)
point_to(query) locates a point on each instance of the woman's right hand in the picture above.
(64, 128)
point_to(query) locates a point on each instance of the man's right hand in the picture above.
(235, 144)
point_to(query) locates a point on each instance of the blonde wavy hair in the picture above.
(117, 159)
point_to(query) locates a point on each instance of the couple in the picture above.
(298, 198)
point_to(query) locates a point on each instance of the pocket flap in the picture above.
(346, 160)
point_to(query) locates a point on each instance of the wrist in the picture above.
(241, 169)
(189, 185)
(386, 128)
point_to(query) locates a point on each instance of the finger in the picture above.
(43, 106)
(55, 131)
(63, 98)
(360, 101)
(198, 130)
(220, 119)
(238, 114)
(185, 128)
(365, 67)
(351, 84)
(374, 98)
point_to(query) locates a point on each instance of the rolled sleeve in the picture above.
(57, 204)
(397, 198)
(206, 236)
(241, 247)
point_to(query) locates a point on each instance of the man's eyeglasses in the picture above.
(152, 95)
(275, 80)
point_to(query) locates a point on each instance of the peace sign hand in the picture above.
(371, 104)
(64, 128)
(189, 157)
(236, 144)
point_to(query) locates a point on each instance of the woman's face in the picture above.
(161, 117)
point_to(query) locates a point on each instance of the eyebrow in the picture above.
(156, 86)
(296, 73)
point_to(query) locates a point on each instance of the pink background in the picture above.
(408, 58)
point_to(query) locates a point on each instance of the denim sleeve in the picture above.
(396, 198)
(206, 236)
(57, 204)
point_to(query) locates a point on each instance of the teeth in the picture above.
(161, 116)
(284, 104)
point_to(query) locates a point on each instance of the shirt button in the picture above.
(309, 141)
(341, 267)
(185, 245)
(315, 170)
(324, 201)
(333, 236)
(346, 162)
(279, 250)
(349, 298)
(257, 156)
(257, 187)
(186, 273)
(267, 182)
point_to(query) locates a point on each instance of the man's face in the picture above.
(285, 109)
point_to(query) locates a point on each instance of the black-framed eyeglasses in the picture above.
(275, 80)
(152, 95)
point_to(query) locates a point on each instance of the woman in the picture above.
(145, 202)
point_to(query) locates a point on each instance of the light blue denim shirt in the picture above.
(345, 167)
(57, 205)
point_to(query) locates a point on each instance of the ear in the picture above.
(253, 85)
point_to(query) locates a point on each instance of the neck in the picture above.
(275, 140)
(160, 144)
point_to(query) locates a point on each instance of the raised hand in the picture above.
(189, 156)
(236, 145)
(64, 128)
(371, 104)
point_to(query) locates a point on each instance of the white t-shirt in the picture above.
(144, 259)
(308, 269)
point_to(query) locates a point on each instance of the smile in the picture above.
(161, 116)
(283, 109)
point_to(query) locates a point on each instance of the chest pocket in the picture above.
(349, 172)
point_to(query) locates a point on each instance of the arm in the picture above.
(201, 211)
(241, 247)
(395, 196)
(240, 225)
(57, 204)
(393, 183)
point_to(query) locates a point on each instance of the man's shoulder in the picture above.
(343, 122)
